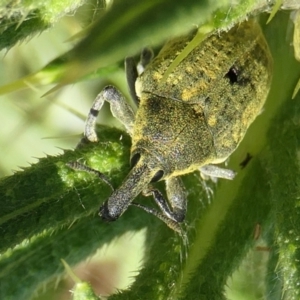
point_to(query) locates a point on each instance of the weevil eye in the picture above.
(134, 159)
(157, 176)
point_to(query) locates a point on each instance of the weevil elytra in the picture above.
(192, 121)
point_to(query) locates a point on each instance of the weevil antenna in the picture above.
(169, 222)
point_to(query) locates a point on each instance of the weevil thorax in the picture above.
(167, 133)
(202, 111)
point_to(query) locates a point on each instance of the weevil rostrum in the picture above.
(192, 121)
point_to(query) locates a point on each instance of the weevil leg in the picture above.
(176, 196)
(169, 222)
(146, 57)
(118, 106)
(133, 71)
(217, 172)
(120, 110)
(131, 76)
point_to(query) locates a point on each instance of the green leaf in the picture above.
(22, 19)
(48, 213)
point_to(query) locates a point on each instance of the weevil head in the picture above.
(145, 168)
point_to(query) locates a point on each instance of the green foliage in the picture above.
(49, 212)
(22, 19)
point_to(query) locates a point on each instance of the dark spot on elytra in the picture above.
(233, 74)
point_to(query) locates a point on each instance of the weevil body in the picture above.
(192, 121)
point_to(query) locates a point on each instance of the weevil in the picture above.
(191, 121)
